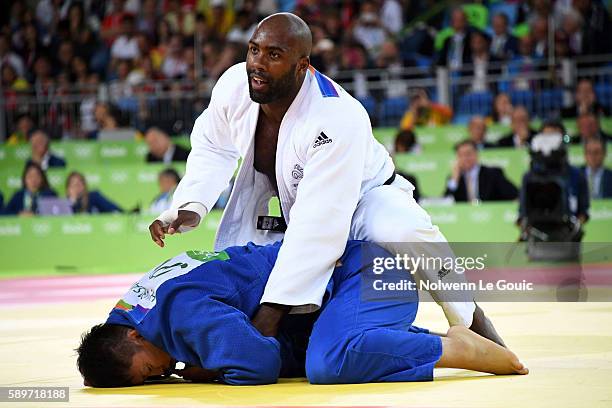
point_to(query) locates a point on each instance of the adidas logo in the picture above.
(321, 140)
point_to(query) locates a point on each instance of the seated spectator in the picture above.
(406, 142)
(589, 128)
(39, 142)
(174, 65)
(24, 124)
(599, 178)
(502, 109)
(168, 179)
(521, 133)
(85, 201)
(484, 65)
(422, 112)
(503, 44)
(585, 102)
(243, 28)
(161, 148)
(125, 47)
(456, 51)
(477, 129)
(470, 181)
(34, 185)
(523, 64)
(596, 28)
(369, 31)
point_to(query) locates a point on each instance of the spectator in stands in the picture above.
(523, 64)
(243, 28)
(85, 201)
(599, 178)
(571, 25)
(7, 56)
(539, 33)
(521, 133)
(168, 179)
(503, 44)
(502, 109)
(24, 124)
(589, 128)
(174, 65)
(422, 111)
(41, 155)
(483, 64)
(406, 142)
(477, 129)
(125, 46)
(596, 28)
(12, 82)
(34, 185)
(111, 24)
(470, 181)
(456, 50)
(107, 117)
(585, 101)
(161, 148)
(369, 31)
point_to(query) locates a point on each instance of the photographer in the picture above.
(423, 111)
(554, 197)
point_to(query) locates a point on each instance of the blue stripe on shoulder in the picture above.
(325, 86)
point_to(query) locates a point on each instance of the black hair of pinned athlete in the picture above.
(105, 356)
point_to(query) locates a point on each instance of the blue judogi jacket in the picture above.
(198, 307)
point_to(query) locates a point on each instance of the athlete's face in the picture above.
(149, 361)
(272, 65)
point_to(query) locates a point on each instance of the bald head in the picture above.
(295, 31)
(278, 59)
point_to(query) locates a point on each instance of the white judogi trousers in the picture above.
(389, 216)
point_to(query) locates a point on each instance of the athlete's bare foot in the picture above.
(462, 348)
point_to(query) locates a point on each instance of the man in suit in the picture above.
(585, 101)
(39, 143)
(599, 178)
(456, 49)
(161, 148)
(503, 44)
(589, 128)
(471, 181)
(477, 128)
(521, 133)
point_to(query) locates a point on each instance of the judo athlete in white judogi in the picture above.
(304, 139)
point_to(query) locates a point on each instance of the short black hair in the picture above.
(170, 172)
(465, 142)
(105, 356)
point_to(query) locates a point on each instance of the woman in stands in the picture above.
(85, 201)
(34, 185)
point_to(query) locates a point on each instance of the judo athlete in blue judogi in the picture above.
(196, 308)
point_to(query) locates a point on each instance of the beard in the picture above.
(277, 88)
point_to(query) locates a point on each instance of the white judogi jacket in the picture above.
(326, 159)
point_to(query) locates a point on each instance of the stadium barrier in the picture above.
(121, 243)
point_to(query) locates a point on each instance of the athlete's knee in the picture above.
(320, 369)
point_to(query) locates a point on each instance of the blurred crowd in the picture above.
(51, 48)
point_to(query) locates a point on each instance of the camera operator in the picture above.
(554, 196)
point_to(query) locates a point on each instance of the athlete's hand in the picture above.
(197, 374)
(268, 318)
(185, 218)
